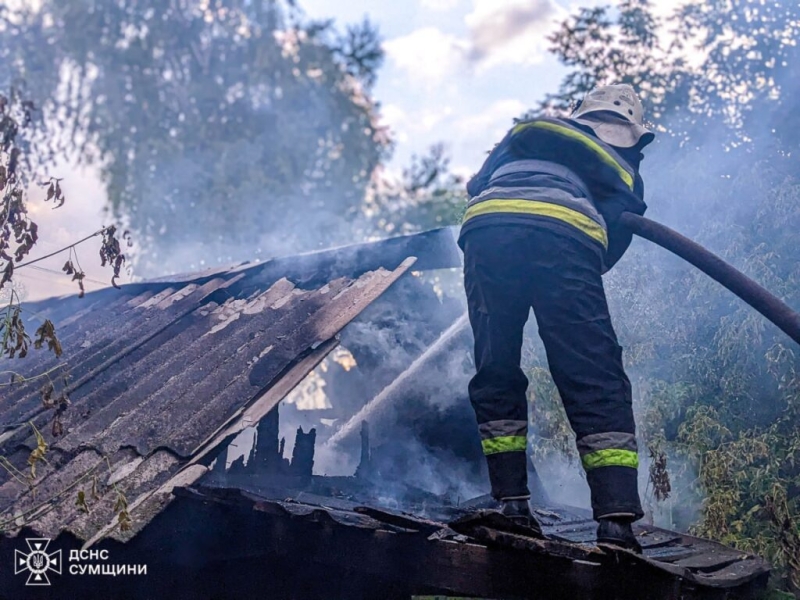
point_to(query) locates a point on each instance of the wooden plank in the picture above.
(735, 575)
(405, 558)
(710, 560)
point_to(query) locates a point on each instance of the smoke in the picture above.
(688, 341)
(420, 374)
(668, 318)
(225, 133)
(423, 438)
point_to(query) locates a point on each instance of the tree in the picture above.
(18, 233)
(225, 130)
(20, 122)
(427, 196)
(715, 383)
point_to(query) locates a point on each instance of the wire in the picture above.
(70, 247)
(46, 270)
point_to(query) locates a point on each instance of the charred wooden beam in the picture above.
(267, 449)
(364, 464)
(303, 453)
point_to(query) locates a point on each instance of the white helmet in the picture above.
(619, 99)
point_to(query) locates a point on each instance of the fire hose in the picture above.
(774, 309)
(769, 305)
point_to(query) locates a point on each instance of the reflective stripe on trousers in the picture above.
(609, 449)
(506, 271)
(505, 435)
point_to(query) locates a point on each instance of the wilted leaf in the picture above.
(59, 195)
(12, 331)
(58, 426)
(47, 394)
(125, 522)
(81, 502)
(8, 273)
(13, 161)
(78, 276)
(123, 516)
(122, 502)
(47, 333)
(38, 453)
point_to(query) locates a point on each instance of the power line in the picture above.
(45, 269)
(41, 258)
(30, 277)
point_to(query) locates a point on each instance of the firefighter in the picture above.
(541, 228)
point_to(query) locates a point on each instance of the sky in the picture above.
(456, 71)
(459, 71)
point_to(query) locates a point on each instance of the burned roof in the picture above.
(436, 543)
(449, 550)
(161, 374)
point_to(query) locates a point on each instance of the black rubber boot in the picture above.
(618, 532)
(518, 511)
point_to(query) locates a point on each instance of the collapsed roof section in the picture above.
(163, 373)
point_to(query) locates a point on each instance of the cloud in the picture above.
(428, 53)
(493, 121)
(439, 5)
(509, 31)
(498, 32)
(475, 134)
(395, 118)
(419, 121)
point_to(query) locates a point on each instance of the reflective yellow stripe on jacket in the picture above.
(584, 139)
(546, 209)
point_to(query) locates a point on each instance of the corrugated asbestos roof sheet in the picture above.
(160, 374)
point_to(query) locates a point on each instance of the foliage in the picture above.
(716, 383)
(225, 129)
(20, 168)
(599, 53)
(18, 232)
(427, 196)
